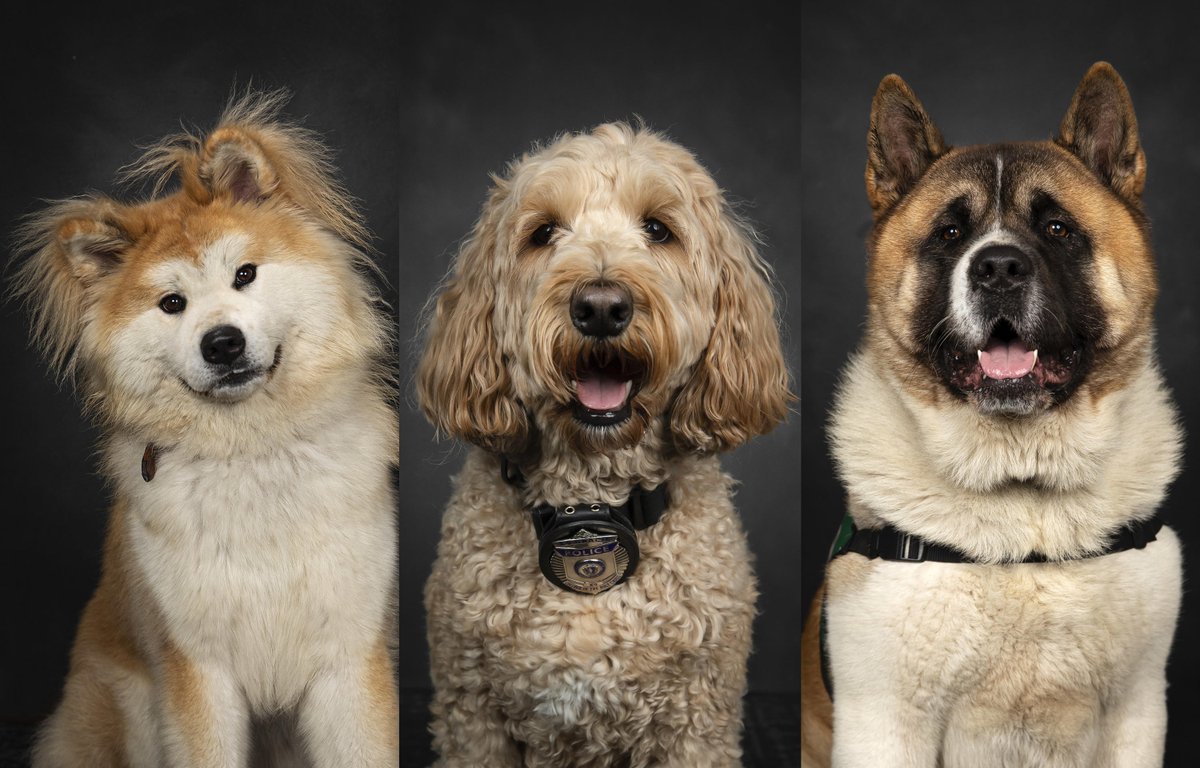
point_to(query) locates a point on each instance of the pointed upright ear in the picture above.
(463, 383)
(235, 166)
(739, 388)
(901, 143)
(253, 155)
(1101, 130)
(68, 249)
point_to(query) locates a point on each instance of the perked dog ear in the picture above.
(235, 166)
(71, 246)
(740, 386)
(901, 143)
(463, 384)
(252, 157)
(1101, 130)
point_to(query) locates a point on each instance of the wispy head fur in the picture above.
(49, 290)
(300, 159)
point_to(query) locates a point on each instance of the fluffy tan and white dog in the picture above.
(227, 339)
(1005, 438)
(607, 328)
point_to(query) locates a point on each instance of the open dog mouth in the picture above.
(605, 380)
(1006, 355)
(1012, 365)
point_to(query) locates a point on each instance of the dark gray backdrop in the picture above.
(717, 78)
(79, 91)
(475, 90)
(994, 72)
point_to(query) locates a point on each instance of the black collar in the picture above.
(891, 543)
(642, 509)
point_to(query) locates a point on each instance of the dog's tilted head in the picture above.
(1010, 275)
(606, 287)
(240, 291)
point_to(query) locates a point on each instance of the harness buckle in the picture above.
(910, 549)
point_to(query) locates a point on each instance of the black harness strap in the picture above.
(891, 543)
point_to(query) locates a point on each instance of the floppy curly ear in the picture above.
(740, 386)
(463, 384)
(69, 249)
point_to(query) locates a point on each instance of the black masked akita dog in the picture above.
(1002, 592)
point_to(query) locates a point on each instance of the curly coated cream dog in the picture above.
(607, 328)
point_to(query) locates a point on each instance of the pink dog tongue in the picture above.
(601, 392)
(1007, 360)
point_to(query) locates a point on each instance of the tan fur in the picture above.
(816, 717)
(464, 385)
(651, 672)
(1050, 664)
(104, 658)
(380, 686)
(186, 700)
(225, 596)
(739, 390)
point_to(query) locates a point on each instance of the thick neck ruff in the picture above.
(1001, 489)
(590, 547)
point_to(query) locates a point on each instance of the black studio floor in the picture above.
(771, 739)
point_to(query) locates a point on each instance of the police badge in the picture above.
(591, 548)
(593, 557)
(587, 549)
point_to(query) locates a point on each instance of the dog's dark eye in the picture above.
(656, 231)
(951, 233)
(541, 236)
(172, 304)
(244, 276)
(1057, 229)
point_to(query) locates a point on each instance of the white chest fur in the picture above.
(1018, 662)
(270, 565)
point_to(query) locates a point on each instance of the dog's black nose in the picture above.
(601, 309)
(1000, 268)
(223, 345)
